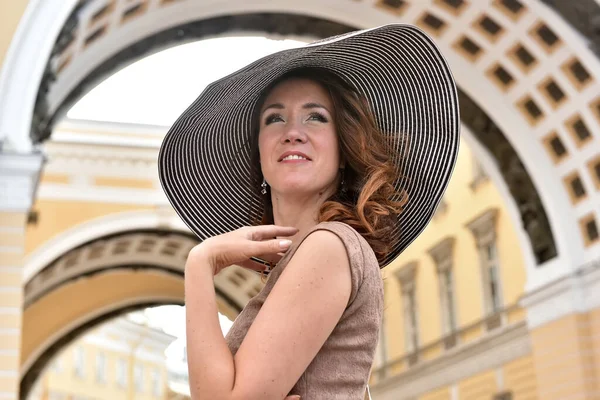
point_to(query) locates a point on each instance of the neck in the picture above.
(296, 211)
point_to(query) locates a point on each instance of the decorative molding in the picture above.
(483, 227)
(442, 253)
(535, 169)
(578, 292)
(491, 351)
(164, 218)
(19, 177)
(157, 251)
(406, 275)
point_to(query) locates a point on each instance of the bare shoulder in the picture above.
(323, 247)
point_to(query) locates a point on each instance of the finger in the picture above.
(271, 258)
(263, 232)
(252, 265)
(267, 248)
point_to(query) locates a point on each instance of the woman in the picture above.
(331, 157)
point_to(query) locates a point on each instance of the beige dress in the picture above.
(341, 368)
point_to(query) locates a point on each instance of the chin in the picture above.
(301, 189)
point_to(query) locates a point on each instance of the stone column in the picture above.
(19, 175)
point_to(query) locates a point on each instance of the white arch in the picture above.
(95, 228)
(22, 70)
(43, 19)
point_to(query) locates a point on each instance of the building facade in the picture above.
(82, 216)
(453, 324)
(120, 359)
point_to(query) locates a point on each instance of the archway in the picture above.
(516, 63)
(489, 77)
(109, 276)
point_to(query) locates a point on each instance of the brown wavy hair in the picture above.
(368, 201)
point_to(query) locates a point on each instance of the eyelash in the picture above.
(320, 117)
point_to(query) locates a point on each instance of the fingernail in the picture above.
(284, 244)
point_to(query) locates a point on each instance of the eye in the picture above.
(315, 116)
(273, 118)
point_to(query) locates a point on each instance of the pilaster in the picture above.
(19, 175)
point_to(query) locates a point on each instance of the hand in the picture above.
(238, 246)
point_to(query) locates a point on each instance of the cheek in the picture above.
(330, 147)
(266, 145)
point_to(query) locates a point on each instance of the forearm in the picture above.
(210, 363)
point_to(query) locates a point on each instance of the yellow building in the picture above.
(121, 359)
(453, 326)
(473, 308)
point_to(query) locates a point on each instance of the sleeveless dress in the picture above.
(341, 368)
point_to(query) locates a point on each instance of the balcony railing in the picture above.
(454, 340)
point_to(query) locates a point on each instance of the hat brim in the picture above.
(204, 160)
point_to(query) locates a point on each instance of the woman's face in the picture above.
(297, 141)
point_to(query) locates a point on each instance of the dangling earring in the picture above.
(343, 182)
(264, 187)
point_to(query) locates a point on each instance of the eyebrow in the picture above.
(306, 106)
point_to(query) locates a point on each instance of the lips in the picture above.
(293, 155)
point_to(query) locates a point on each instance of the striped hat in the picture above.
(204, 160)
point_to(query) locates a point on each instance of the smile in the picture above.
(294, 157)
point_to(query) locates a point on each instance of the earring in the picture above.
(343, 182)
(264, 187)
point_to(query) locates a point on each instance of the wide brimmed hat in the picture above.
(204, 161)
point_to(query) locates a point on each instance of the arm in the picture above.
(296, 319)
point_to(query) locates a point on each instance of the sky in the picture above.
(155, 90)
(158, 88)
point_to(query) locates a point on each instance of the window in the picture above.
(138, 376)
(121, 372)
(79, 361)
(156, 383)
(492, 277)
(483, 229)
(381, 351)
(406, 276)
(410, 313)
(441, 254)
(100, 368)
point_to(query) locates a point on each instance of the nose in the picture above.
(293, 134)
